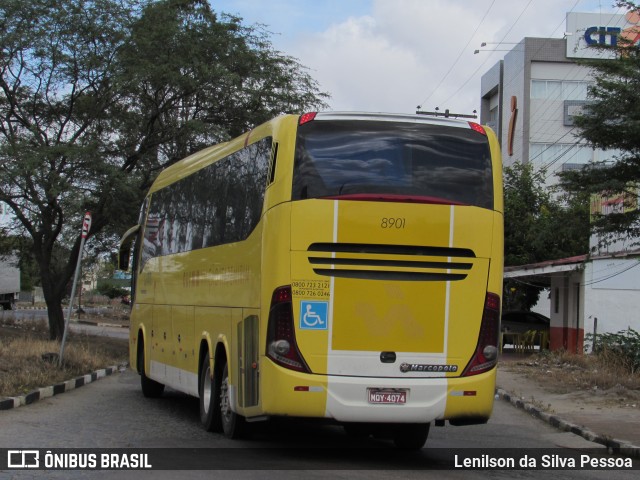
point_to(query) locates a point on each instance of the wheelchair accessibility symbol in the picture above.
(313, 315)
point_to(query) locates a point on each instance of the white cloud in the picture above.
(361, 66)
(393, 57)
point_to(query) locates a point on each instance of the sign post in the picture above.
(86, 226)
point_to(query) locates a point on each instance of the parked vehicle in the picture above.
(523, 321)
(9, 281)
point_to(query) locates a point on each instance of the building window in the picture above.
(493, 118)
(571, 109)
(558, 90)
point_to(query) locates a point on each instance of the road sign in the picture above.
(86, 224)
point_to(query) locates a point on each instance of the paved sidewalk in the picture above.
(581, 413)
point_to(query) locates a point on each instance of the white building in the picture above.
(529, 98)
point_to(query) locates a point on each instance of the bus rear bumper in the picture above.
(349, 399)
(427, 399)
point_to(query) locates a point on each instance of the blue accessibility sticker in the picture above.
(313, 315)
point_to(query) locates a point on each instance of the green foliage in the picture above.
(533, 216)
(97, 97)
(620, 349)
(112, 289)
(525, 203)
(611, 121)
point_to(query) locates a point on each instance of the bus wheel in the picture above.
(233, 424)
(412, 436)
(150, 388)
(209, 390)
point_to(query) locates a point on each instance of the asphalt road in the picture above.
(112, 413)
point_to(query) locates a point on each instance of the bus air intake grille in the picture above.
(365, 262)
(391, 249)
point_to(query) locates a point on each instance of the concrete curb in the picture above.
(621, 447)
(101, 324)
(45, 392)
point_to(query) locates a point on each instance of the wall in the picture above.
(567, 307)
(612, 292)
(514, 85)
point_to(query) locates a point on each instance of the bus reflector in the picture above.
(478, 128)
(282, 347)
(307, 117)
(486, 354)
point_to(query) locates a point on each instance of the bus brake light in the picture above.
(282, 347)
(478, 128)
(485, 356)
(307, 117)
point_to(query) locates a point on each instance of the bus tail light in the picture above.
(478, 128)
(281, 335)
(307, 117)
(486, 354)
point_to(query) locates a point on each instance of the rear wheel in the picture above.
(150, 388)
(209, 390)
(411, 436)
(233, 424)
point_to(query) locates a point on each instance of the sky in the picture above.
(395, 55)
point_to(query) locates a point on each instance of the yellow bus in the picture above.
(342, 266)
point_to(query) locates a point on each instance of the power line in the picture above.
(613, 275)
(488, 58)
(459, 55)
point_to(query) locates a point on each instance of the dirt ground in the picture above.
(582, 379)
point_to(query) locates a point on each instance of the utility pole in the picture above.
(86, 226)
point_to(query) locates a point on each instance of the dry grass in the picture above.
(23, 344)
(562, 372)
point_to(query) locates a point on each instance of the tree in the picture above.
(97, 96)
(533, 216)
(611, 121)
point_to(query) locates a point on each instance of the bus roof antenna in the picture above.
(447, 114)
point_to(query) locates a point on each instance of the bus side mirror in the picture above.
(124, 253)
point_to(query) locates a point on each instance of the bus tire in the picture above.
(233, 425)
(411, 436)
(150, 388)
(209, 391)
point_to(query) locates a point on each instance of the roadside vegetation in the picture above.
(611, 371)
(24, 363)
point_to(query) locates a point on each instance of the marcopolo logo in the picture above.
(417, 367)
(23, 459)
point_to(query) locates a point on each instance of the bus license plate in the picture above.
(387, 396)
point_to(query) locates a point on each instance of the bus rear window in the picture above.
(377, 159)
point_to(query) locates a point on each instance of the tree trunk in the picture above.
(53, 295)
(56, 320)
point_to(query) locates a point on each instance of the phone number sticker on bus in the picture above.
(316, 289)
